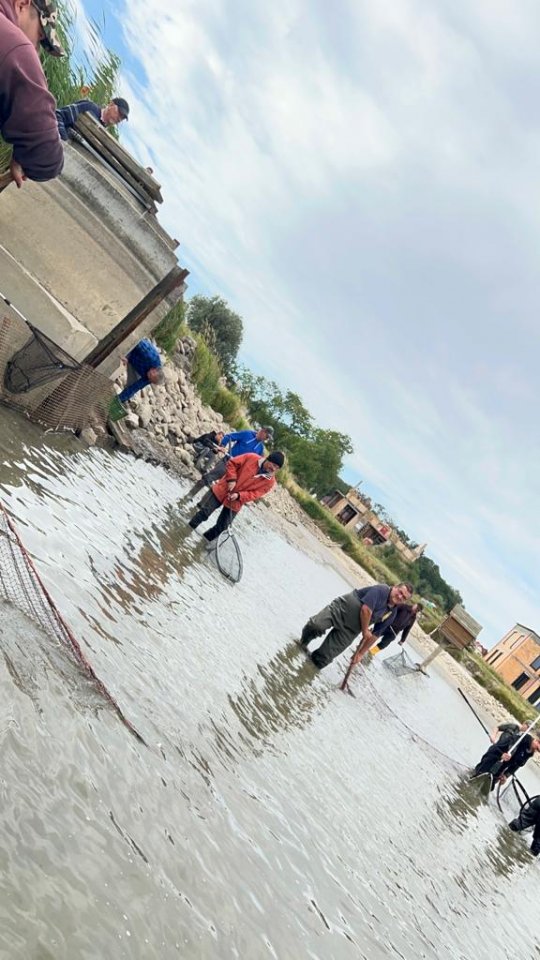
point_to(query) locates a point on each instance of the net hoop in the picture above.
(401, 665)
(516, 790)
(229, 557)
(38, 361)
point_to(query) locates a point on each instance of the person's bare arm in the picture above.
(365, 620)
(368, 638)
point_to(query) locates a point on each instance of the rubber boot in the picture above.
(309, 633)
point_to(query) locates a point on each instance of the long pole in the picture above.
(471, 708)
(135, 317)
(12, 306)
(345, 682)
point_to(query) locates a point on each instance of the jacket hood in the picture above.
(7, 8)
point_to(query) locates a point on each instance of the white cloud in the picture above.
(362, 188)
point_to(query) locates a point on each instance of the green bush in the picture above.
(226, 403)
(205, 370)
(171, 328)
(239, 422)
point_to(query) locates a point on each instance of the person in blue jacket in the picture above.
(143, 368)
(235, 445)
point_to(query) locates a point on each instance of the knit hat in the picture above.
(276, 457)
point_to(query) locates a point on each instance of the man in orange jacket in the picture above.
(248, 477)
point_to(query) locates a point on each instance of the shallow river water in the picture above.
(270, 815)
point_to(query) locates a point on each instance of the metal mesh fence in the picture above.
(21, 585)
(48, 385)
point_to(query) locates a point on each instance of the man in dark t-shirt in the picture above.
(350, 615)
(511, 762)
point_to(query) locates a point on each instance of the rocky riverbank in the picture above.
(163, 418)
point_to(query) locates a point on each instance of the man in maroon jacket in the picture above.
(27, 109)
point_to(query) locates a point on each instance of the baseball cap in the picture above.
(48, 15)
(123, 107)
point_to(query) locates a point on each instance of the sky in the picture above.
(360, 181)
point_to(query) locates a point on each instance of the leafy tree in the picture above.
(222, 328)
(342, 485)
(315, 455)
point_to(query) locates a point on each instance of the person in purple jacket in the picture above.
(27, 108)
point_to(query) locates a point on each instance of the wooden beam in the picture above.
(135, 317)
(108, 146)
(105, 155)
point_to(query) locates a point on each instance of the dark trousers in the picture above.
(207, 506)
(490, 762)
(209, 478)
(529, 817)
(342, 618)
(386, 639)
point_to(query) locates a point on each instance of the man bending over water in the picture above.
(350, 615)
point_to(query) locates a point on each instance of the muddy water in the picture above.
(270, 815)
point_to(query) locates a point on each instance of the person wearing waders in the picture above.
(244, 441)
(350, 615)
(247, 478)
(529, 817)
(502, 739)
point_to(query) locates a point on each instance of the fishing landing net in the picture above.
(47, 384)
(38, 361)
(21, 585)
(511, 798)
(229, 556)
(401, 665)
